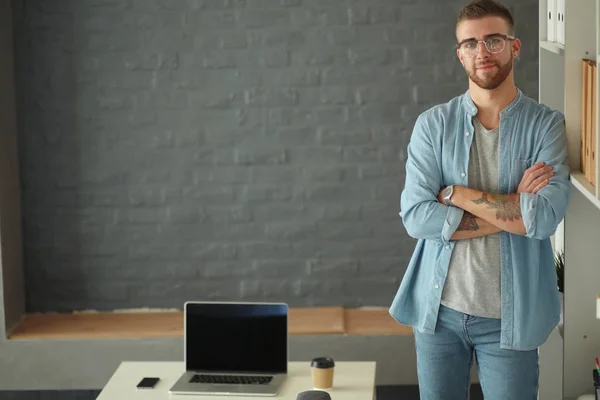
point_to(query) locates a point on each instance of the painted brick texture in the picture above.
(226, 149)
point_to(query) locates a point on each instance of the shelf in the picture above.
(104, 325)
(582, 184)
(563, 84)
(553, 47)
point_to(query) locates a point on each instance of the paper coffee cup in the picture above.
(322, 372)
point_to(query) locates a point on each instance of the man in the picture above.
(487, 183)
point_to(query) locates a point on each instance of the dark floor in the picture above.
(383, 393)
(412, 392)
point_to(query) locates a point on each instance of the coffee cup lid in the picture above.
(322, 362)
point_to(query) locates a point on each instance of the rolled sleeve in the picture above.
(528, 202)
(424, 217)
(453, 218)
(544, 210)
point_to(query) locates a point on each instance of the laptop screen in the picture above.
(238, 337)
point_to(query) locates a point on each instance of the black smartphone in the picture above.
(147, 383)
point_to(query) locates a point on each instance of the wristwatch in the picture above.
(448, 194)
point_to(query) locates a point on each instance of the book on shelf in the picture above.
(588, 120)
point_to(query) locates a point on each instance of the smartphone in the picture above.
(147, 383)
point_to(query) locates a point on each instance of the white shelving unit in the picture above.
(560, 86)
(552, 46)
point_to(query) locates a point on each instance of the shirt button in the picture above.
(462, 174)
(437, 286)
(467, 134)
(447, 246)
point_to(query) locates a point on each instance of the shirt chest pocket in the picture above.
(518, 166)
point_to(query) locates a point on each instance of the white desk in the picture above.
(351, 381)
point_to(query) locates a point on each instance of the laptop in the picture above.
(234, 349)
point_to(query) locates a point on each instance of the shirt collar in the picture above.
(471, 108)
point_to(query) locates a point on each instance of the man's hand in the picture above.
(535, 178)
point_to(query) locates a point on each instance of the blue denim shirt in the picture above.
(438, 156)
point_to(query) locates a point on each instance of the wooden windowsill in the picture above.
(105, 325)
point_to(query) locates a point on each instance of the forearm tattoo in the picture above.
(468, 223)
(507, 207)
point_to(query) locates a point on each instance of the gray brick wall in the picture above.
(226, 149)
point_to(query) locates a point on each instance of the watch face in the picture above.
(447, 191)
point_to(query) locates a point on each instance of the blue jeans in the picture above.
(444, 361)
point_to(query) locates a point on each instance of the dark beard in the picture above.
(496, 80)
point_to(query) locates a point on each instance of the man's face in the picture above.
(486, 69)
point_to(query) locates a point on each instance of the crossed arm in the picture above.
(488, 213)
(526, 212)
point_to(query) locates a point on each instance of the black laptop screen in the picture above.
(236, 337)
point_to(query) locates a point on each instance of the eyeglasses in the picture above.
(493, 43)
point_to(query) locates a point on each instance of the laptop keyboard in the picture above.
(232, 379)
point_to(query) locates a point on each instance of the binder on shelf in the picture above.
(551, 20)
(560, 21)
(584, 111)
(593, 133)
(588, 120)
